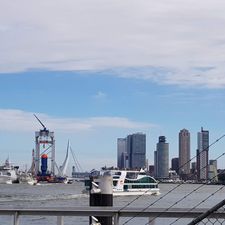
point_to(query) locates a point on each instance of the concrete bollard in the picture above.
(102, 195)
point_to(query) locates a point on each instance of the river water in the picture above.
(70, 195)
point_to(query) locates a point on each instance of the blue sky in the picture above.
(94, 72)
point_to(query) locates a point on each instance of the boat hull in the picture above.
(5, 179)
(135, 193)
(132, 193)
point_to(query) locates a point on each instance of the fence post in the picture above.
(102, 195)
(60, 220)
(116, 219)
(16, 219)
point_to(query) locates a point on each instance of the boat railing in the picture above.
(114, 212)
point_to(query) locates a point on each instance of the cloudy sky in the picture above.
(96, 70)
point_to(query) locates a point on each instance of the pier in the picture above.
(115, 212)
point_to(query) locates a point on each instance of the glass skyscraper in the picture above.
(136, 150)
(162, 158)
(131, 151)
(203, 155)
(122, 153)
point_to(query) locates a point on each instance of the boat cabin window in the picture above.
(115, 182)
(142, 173)
(118, 173)
(142, 180)
(131, 175)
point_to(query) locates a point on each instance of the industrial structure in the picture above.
(44, 152)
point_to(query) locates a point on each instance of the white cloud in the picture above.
(178, 36)
(100, 95)
(21, 121)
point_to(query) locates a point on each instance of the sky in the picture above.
(95, 70)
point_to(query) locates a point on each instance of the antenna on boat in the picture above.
(41, 123)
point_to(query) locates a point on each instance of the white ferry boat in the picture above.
(129, 182)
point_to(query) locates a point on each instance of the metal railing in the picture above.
(113, 212)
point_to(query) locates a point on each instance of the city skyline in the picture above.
(101, 70)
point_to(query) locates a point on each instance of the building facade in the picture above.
(136, 150)
(203, 155)
(131, 151)
(162, 159)
(122, 153)
(175, 164)
(213, 175)
(184, 153)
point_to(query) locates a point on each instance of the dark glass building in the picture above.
(162, 158)
(136, 150)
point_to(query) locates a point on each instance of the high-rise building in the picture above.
(184, 153)
(162, 158)
(136, 150)
(213, 175)
(175, 164)
(203, 155)
(193, 167)
(151, 170)
(122, 153)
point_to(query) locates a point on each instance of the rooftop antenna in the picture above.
(45, 129)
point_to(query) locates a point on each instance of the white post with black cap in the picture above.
(101, 194)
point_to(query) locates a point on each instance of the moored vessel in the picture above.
(8, 173)
(128, 182)
(27, 178)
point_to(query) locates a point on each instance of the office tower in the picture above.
(155, 164)
(213, 162)
(136, 150)
(122, 153)
(184, 153)
(175, 164)
(162, 158)
(151, 170)
(193, 167)
(213, 175)
(202, 155)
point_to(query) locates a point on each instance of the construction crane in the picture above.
(44, 141)
(45, 129)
